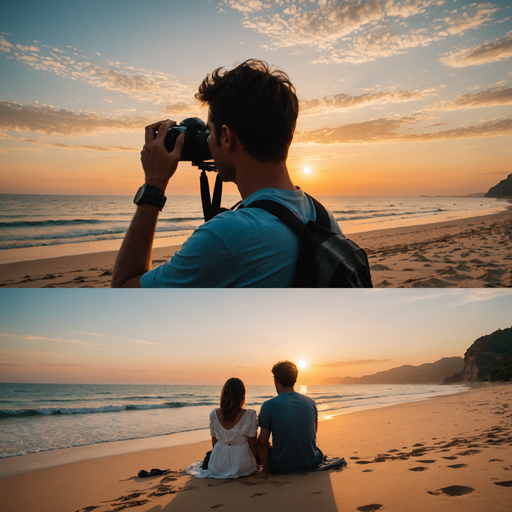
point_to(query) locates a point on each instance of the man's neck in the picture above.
(285, 390)
(253, 175)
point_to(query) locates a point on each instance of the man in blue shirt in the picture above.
(292, 420)
(251, 120)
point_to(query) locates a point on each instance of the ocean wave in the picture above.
(43, 223)
(50, 411)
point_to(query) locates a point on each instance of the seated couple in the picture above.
(290, 417)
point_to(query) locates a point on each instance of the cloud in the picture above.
(410, 7)
(482, 54)
(346, 101)
(30, 337)
(50, 120)
(191, 109)
(489, 98)
(385, 130)
(386, 43)
(475, 295)
(291, 25)
(27, 48)
(355, 362)
(144, 342)
(137, 83)
(460, 23)
(5, 46)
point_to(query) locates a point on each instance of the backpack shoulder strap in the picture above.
(322, 217)
(282, 213)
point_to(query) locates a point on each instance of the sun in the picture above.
(302, 363)
(306, 170)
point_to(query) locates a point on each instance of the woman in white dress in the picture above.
(233, 430)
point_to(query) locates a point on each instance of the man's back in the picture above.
(247, 247)
(292, 419)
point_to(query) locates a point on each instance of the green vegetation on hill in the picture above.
(488, 358)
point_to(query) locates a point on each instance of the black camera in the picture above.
(195, 149)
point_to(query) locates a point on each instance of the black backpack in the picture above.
(326, 259)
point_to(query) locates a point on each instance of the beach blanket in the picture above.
(331, 462)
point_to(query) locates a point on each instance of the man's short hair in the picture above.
(286, 373)
(258, 103)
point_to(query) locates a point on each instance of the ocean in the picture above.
(49, 220)
(41, 417)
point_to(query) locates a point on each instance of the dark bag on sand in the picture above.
(206, 460)
(326, 259)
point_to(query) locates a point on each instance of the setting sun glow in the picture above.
(302, 363)
(307, 170)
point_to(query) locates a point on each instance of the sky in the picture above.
(155, 337)
(397, 97)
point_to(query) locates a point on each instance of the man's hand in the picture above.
(159, 165)
(134, 257)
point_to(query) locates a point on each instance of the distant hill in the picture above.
(502, 189)
(486, 358)
(428, 373)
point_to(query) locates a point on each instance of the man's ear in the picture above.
(228, 138)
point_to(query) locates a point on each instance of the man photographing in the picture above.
(252, 116)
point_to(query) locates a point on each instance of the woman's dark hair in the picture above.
(286, 373)
(258, 103)
(232, 399)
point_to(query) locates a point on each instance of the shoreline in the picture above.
(40, 252)
(21, 463)
(470, 252)
(451, 452)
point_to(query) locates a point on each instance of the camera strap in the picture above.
(211, 205)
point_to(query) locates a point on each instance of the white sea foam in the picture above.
(93, 414)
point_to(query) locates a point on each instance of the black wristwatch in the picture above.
(151, 195)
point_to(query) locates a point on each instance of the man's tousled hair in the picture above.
(286, 373)
(258, 103)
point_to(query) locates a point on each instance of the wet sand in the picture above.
(473, 252)
(448, 454)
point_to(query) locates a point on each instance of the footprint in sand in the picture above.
(258, 494)
(130, 504)
(453, 490)
(426, 461)
(469, 452)
(370, 508)
(458, 466)
(422, 468)
(453, 457)
(508, 483)
(364, 462)
(218, 505)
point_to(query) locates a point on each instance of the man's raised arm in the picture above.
(134, 257)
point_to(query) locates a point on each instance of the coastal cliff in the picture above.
(502, 189)
(428, 373)
(487, 359)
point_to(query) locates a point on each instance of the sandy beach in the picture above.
(448, 453)
(471, 252)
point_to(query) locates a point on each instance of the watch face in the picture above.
(139, 194)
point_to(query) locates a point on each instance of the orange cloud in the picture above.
(489, 98)
(460, 23)
(354, 363)
(137, 83)
(482, 54)
(347, 101)
(50, 120)
(388, 130)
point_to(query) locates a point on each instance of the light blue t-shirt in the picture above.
(291, 418)
(248, 247)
